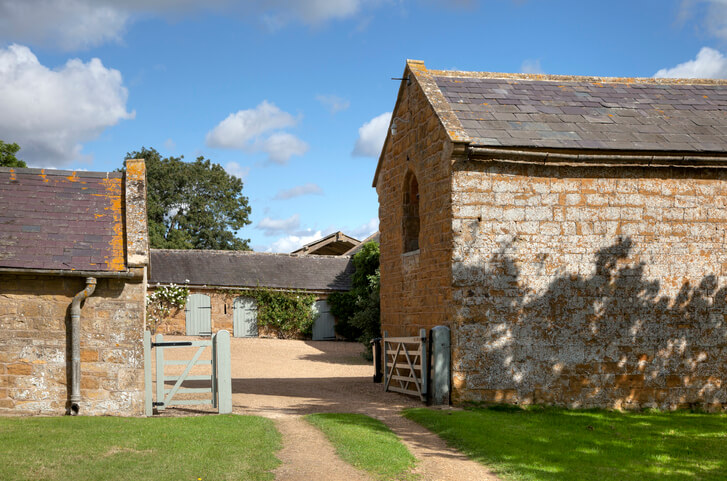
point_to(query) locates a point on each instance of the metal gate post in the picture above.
(147, 374)
(223, 371)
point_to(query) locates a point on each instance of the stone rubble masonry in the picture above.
(137, 246)
(34, 314)
(565, 285)
(589, 287)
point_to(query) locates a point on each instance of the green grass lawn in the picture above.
(549, 444)
(107, 448)
(367, 444)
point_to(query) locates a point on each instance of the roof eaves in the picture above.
(595, 158)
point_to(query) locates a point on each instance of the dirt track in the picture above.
(283, 380)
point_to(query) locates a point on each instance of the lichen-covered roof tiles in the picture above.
(61, 220)
(250, 269)
(582, 113)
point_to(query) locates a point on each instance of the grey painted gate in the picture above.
(244, 317)
(198, 315)
(219, 390)
(323, 327)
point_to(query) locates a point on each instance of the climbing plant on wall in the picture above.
(161, 301)
(286, 314)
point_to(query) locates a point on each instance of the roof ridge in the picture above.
(576, 78)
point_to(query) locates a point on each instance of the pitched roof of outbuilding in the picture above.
(334, 244)
(250, 269)
(61, 220)
(588, 113)
(570, 113)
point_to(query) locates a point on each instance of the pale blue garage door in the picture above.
(198, 315)
(323, 327)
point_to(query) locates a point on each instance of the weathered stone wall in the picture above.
(221, 309)
(415, 286)
(222, 312)
(34, 347)
(589, 286)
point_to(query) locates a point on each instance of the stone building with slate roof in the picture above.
(211, 275)
(570, 231)
(73, 258)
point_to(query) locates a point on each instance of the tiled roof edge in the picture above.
(577, 78)
(64, 173)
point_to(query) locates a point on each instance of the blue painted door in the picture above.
(244, 317)
(198, 315)
(323, 327)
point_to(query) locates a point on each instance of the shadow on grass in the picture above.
(552, 444)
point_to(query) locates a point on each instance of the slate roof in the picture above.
(583, 113)
(61, 220)
(250, 269)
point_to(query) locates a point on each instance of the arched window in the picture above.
(411, 213)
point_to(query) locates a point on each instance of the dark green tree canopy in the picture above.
(7, 155)
(192, 205)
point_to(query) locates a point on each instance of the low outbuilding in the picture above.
(73, 259)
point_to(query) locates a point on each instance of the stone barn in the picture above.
(73, 258)
(217, 281)
(569, 230)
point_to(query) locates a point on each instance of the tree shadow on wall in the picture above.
(606, 339)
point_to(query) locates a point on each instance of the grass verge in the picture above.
(549, 444)
(367, 444)
(106, 448)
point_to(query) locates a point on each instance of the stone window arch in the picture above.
(410, 220)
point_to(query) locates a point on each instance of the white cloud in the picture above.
(715, 15)
(170, 145)
(77, 24)
(531, 66)
(271, 227)
(49, 113)
(239, 171)
(709, 63)
(297, 191)
(281, 146)
(333, 103)
(294, 242)
(256, 130)
(371, 136)
(363, 231)
(237, 129)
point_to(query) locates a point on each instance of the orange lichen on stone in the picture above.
(113, 193)
(73, 177)
(43, 176)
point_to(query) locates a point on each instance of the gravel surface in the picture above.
(286, 379)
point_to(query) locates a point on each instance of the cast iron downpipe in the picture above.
(76, 345)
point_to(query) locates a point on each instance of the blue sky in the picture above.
(294, 96)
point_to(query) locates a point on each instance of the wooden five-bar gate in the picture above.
(220, 388)
(405, 364)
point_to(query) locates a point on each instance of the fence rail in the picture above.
(405, 364)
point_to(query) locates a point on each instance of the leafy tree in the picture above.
(358, 310)
(7, 155)
(192, 205)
